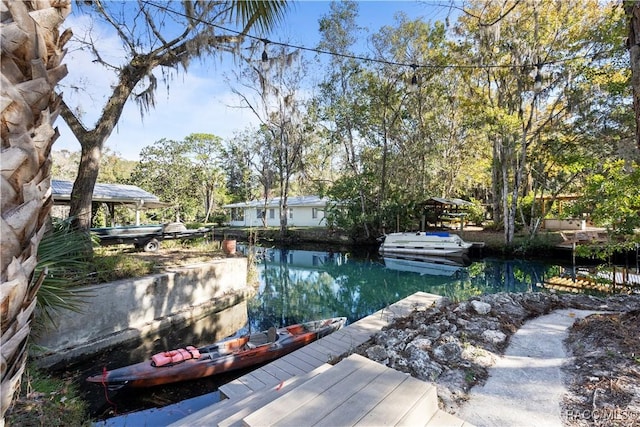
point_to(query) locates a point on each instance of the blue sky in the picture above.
(202, 101)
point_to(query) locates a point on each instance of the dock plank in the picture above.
(246, 407)
(235, 389)
(333, 347)
(421, 411)
(363, 401)
(338, 343)
(408, 394)
(325, 349)
(231, 411)
(252, 381)
(265, 377)
(290, 402)
(352, 335)
(277, 372)
(283, 364)
(310, 358)
(329, 400)
(299, 362)
(315, 353)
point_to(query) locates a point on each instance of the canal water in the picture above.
(297, 286)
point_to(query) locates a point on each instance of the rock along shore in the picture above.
(454, 344)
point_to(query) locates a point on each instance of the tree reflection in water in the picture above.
(301, 285)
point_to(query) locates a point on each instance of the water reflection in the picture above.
(297, 286)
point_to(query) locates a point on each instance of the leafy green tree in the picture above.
(149, 45)
(632, 10)
(342, 112)
(548, 54)
(240, 158)
(418, 142)
(205, 152)
(281, 109)
(167, 170)
(612, 198)
(113, 168)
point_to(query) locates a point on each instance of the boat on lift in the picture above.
(438, 243)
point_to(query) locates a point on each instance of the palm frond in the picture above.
(260, 13)
(63, 265)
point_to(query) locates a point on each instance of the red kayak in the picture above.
(223, 356)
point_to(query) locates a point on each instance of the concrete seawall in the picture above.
(119, 311)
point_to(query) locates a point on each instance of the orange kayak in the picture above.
(223, 356)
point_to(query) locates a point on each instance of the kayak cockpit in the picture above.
(262, 338)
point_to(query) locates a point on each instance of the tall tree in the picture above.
(275, 96)
(249, 165)
(150, 43)
(205, 151)
(32, 54)
(185, 173)
(339, 93)
(536, 55)
(632, 9)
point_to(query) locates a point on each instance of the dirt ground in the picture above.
(166, 258)
(604, 378)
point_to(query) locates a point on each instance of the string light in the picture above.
(537, 85)
(413, 87)
(375, 60)
(265, 56)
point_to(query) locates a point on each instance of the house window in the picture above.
(272, 213)
(237, 214)
(314, 213)
(259, 213)
(290, 213)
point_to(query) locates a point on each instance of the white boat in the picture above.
(427, 265)
(425, 243)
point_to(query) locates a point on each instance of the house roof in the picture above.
(443, 201)
(308, 201)
(109, 193)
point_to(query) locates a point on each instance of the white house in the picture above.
(303, 211)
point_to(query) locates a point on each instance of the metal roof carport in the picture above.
(112, 195)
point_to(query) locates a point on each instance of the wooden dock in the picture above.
(355, 391)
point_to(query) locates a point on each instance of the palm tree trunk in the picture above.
(32, 53)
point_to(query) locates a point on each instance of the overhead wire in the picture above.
(413, 66)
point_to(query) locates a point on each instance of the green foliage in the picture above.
(612, 197)
(244, 164)
(185, 173)
(110, 265)
(544, 138)
(64, 263)
(220, 218)
(113, 168)
(475, 213)
(466, 130)
(44, 400)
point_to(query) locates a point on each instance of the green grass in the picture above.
(46, 401)
(522, 244)
(112, 264)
